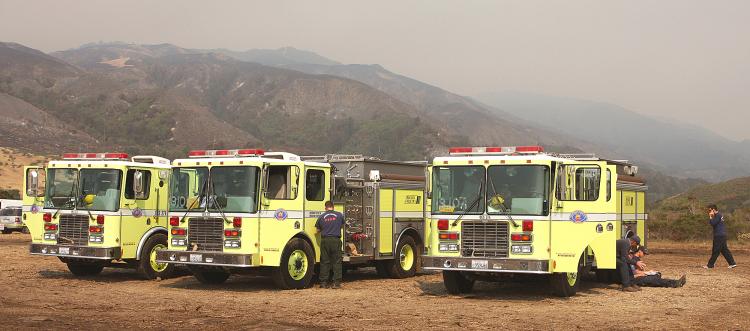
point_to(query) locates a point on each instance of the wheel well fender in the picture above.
(158, 229)
(412, 232)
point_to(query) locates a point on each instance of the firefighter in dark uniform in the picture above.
(329, 226)
(720, 239)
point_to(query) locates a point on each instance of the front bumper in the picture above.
(98, 253)
(205, 258)
(485, 264)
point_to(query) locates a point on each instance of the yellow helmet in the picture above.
(89, 199)
(497, 201)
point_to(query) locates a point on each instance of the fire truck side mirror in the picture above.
(32, 183)
(427, 179)
(138, 184)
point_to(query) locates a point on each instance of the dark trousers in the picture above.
(623, 269)
(654, 281)
(330, 259)
(720, 247)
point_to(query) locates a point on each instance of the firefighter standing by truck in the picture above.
(329, 225)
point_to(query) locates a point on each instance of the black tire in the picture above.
(85, 269)
(398, 267)
(25, 230)
(566, 284)
(209, 276)
(303, 260)
(456, 283)
(7, 231)
(150, 269)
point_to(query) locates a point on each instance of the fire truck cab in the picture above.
(501, 212)
(96, 210)
(247, 210)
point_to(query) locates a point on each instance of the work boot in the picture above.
(324, 285)
(629, 289)
(336, 284)
(682, 281)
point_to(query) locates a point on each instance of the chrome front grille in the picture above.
(484, 239)
(74, 230)
(206, 233)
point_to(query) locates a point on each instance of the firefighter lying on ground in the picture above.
(652, 278)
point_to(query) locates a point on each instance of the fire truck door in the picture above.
(33, 200)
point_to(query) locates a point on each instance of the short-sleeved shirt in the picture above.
(329, 223)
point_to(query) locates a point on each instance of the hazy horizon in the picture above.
(683, 60)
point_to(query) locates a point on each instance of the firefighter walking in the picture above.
(720, 239)
(329, 226)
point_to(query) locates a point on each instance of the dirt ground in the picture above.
(39, 292)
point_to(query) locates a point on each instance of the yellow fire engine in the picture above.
(96, 210)
(498, 211)
(234, 211)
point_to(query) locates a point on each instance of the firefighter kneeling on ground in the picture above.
(625, 260)
(652, 278)
(329, 226)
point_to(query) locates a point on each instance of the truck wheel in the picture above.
(7, 231)
(84, 269)
(147, 265)
(456, 283)
(209, 276)
(25, 230)
(296, 268)
(405, 262)
(565, 284)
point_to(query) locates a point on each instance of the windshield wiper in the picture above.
(200, 196)
(505, 210)
(473, 204)
(70, 195)
(82, 199)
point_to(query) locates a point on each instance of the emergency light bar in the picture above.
(95, 156)
(226, 153)
(508, 150)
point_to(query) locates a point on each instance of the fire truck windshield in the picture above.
(226, 189)
(509, 189)
(61, 188)
(92, 189)
(458, 190)
(517, 189)
(99, 189)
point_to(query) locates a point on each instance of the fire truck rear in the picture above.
(247, 210)
(500, 212)
(96, 210)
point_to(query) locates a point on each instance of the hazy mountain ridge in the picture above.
(676, 148)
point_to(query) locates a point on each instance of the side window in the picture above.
(579, 183)
(129, 192)
(280, 183)
(587, 183)
(315, 185)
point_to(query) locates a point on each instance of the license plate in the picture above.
(479, 264)
(196, 257)
(64, 250)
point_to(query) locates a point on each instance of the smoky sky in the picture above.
(686, 61)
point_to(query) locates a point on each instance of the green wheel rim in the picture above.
(158, 267)
(572, 278)
(406, 257)
(297, 264)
